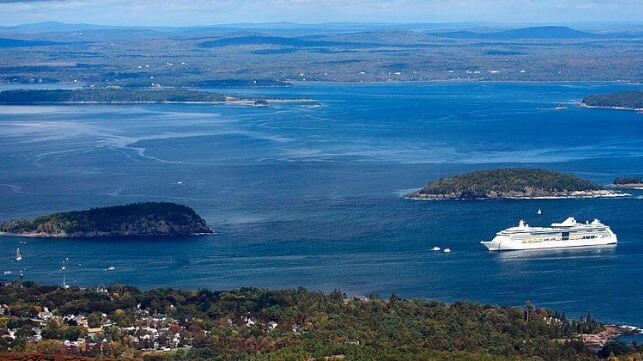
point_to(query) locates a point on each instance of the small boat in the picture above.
(7, 272)
(435, 249)
(18, 255)
(21, 274)
(447, 250)
(110, 268)
(63, 268)
(539, 212)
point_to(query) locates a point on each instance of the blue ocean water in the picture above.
(312, 196)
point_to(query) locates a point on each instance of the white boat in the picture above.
(447, 250)
(18, 255)
(62, 269)
(110, 268)
(567, 234)
(539, 212)
(435, 249)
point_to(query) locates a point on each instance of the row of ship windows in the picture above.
(538, 240)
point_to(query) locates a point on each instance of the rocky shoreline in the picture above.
(628, 186)
(583, 105)
(599, 340)
(522, 195)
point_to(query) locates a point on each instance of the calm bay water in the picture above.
(312, 196)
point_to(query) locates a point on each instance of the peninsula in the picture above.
(511, 183)
(131, 96)
(131, 220)
(626, 100)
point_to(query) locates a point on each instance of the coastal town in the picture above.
(123, 322)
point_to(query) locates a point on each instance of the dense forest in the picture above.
(138, 219)
(262, 324)
(627, 180)
(108, 96)
(503, 183)
(632, 99)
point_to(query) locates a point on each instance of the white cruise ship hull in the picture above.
(567, 234)
(503, 243)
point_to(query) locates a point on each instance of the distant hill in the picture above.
(509, 183)
(48, 26)
(631, 99)
(539, 32)
(137, 219)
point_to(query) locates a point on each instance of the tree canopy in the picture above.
(632, 99)
(509, 182)
(137, 219)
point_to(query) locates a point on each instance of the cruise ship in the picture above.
(560, 235)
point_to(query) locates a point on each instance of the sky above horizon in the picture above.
(212, 12)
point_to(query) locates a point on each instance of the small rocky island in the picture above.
(131, 220)
(628, 183)
(629, 100)
(511, 183)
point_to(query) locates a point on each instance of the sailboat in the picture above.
(539, 212)
(18, 255)
(63, 269)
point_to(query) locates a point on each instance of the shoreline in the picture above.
(463, 81)
(583, 105)
(65, 235)
(611, 332)
(628, 186)
(244, 102)
(573, 195)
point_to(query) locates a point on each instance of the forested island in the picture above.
(107, 96)
(122, 322)
(137, 219)
(131, 96)
(511, 183)
(632, 99)
(628, 182)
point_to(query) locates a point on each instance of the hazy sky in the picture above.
(205, 12)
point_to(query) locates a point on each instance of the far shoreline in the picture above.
(593, 195)
(583, 105)
(240, 101)
(627, 186)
